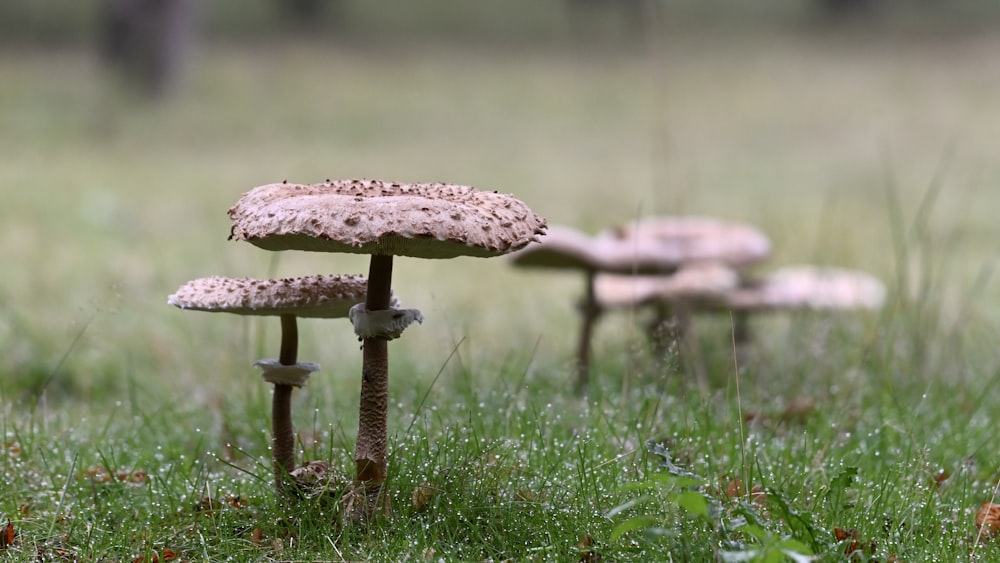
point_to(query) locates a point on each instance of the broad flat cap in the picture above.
(561, 248)
(320, 296)
(809, 287)
(694, 283)
(565, 248)
(388, 218)
(693, 239)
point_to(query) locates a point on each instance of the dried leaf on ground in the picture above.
(988, 519)
(853, 545)
(7, 535)
(587, 553)
(423, 495)
(154, 557)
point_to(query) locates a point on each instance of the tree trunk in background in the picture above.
(302, 10)
(147, 40)
(847, 9)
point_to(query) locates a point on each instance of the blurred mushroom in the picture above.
(691, 283)
(792, 288)
(807, 287)
(382, 219)
(696, 239)
(651, 246)
(674, 297)
(319, 296)
(565, 248)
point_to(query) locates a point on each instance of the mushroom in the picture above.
(807, 287)
(803, 287)
(675, 298)
(789, 288)
(696, 239)
(318, 296)
(690, 284)
(565, 248)
(383, 219)
(651, 246)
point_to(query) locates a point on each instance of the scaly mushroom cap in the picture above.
(809, 287)
(695, 239)
(375, 217)
(319, 296)
(694, 283)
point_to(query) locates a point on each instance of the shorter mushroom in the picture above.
(691, 284)
(317, 296)
(675, 298)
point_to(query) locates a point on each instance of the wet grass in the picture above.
(132, 429)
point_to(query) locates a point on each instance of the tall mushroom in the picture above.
(319, 296)
(565, 248)
(383, 219)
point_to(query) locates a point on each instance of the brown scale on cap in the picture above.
(384, 218)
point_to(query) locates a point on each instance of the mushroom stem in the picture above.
(589, 310)
(283, 439)
(371, 450)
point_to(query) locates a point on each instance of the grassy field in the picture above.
(133, 430)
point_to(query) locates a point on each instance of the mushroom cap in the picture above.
(693, 283)
(565, 248)
(693, 239)
(561, 248)
(319, 296)
(809, 287)
(387, 218)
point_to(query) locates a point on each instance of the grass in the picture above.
(131, 428)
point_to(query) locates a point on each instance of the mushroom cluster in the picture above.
(680, 266)
(701, 255)
(382, 219)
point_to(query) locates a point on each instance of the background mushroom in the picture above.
(791, 288)
(695, 239)
(675, 298)
(319, 296)
(807, 287)
(383, 219)
(565, 248)
(650, 246)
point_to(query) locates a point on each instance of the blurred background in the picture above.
(856, 133)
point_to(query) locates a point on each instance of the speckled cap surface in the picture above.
(376, 217)
(319, 296)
